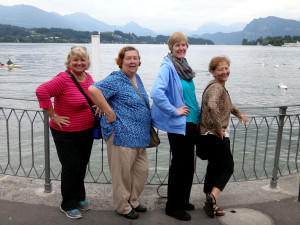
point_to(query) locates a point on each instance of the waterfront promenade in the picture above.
(23, 202)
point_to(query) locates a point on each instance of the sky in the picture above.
(162, 15)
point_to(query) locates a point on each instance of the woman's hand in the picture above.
(58, 120)
(183, 111)
(61, 121)
(100, 101)
(243, 118)
(111, 117)
(98, 111)
(223, 134)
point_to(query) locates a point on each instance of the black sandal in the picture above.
(218, 211)
(209, 205)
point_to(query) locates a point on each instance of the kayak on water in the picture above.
(11, 65)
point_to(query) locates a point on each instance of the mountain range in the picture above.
(263, 27)
(31, 17)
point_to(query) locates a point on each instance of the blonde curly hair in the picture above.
(78, 51)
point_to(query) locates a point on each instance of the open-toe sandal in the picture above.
(209, 205)
(218, 211)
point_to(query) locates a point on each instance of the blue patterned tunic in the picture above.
(132, 127)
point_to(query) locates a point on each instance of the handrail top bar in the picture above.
(267, 107)
(241, 107)
(33, 110)
(23, 99)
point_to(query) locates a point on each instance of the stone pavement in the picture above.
(23, 202)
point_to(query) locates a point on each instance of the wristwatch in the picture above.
(54, 116)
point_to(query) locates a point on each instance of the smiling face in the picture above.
(221, 73)
(78, 64)
(130, 63)
(179, 50)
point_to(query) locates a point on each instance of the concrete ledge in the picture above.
(31, 191)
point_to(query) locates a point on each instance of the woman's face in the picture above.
(130, 63)
(221, 73)
(78, 64)
(179, 50)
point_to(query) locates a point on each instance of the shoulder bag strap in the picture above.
(139, 93)
(82, 91)
(204, 92)
(207, 87)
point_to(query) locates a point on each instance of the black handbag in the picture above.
(208, 145)
(202, 147)
(97, 134)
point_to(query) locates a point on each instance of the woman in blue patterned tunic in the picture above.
(126, 129)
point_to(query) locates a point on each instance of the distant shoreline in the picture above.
(14, 34)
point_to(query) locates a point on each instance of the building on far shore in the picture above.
(297, 44)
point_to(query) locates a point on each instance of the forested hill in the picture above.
(10, 33)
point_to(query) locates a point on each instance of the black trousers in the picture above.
(220, 163)
(74, 150)
(181, 171)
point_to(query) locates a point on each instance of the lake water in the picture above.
(253, 81)
(256, 72)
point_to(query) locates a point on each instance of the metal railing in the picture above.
(266, 147)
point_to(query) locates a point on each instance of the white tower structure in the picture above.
(95, 60)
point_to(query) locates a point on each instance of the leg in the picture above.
(139, 175)
(189, 162)
(227, 166)
(120, 162)
(69, 156)
(85, 144)
(181, 173)
(217, 179)
(215, 162)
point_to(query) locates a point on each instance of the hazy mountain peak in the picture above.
(32, 17)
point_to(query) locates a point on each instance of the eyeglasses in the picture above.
(82, 47)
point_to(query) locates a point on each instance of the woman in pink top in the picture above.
(71, 125)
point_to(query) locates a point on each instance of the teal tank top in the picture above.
(190, 100)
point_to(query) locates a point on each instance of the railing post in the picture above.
(47, 185)
(274, 179)
(299, 194)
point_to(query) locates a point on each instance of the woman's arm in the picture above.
(158, 94)
(44, 93)
(238, 113)
(100, 101)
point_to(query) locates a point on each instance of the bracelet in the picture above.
(54, 116)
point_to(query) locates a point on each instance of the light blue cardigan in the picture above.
(166, 93)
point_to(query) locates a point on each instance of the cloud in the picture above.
(168, 15)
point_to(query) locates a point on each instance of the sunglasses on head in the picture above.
(82, 47)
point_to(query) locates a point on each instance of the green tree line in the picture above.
(275, 41)
(10, 33)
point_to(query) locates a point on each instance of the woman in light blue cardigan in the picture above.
(175, 110)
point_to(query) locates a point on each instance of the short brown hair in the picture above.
(177, 37)
(121, 55)
(216, 60)
(78, 51)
